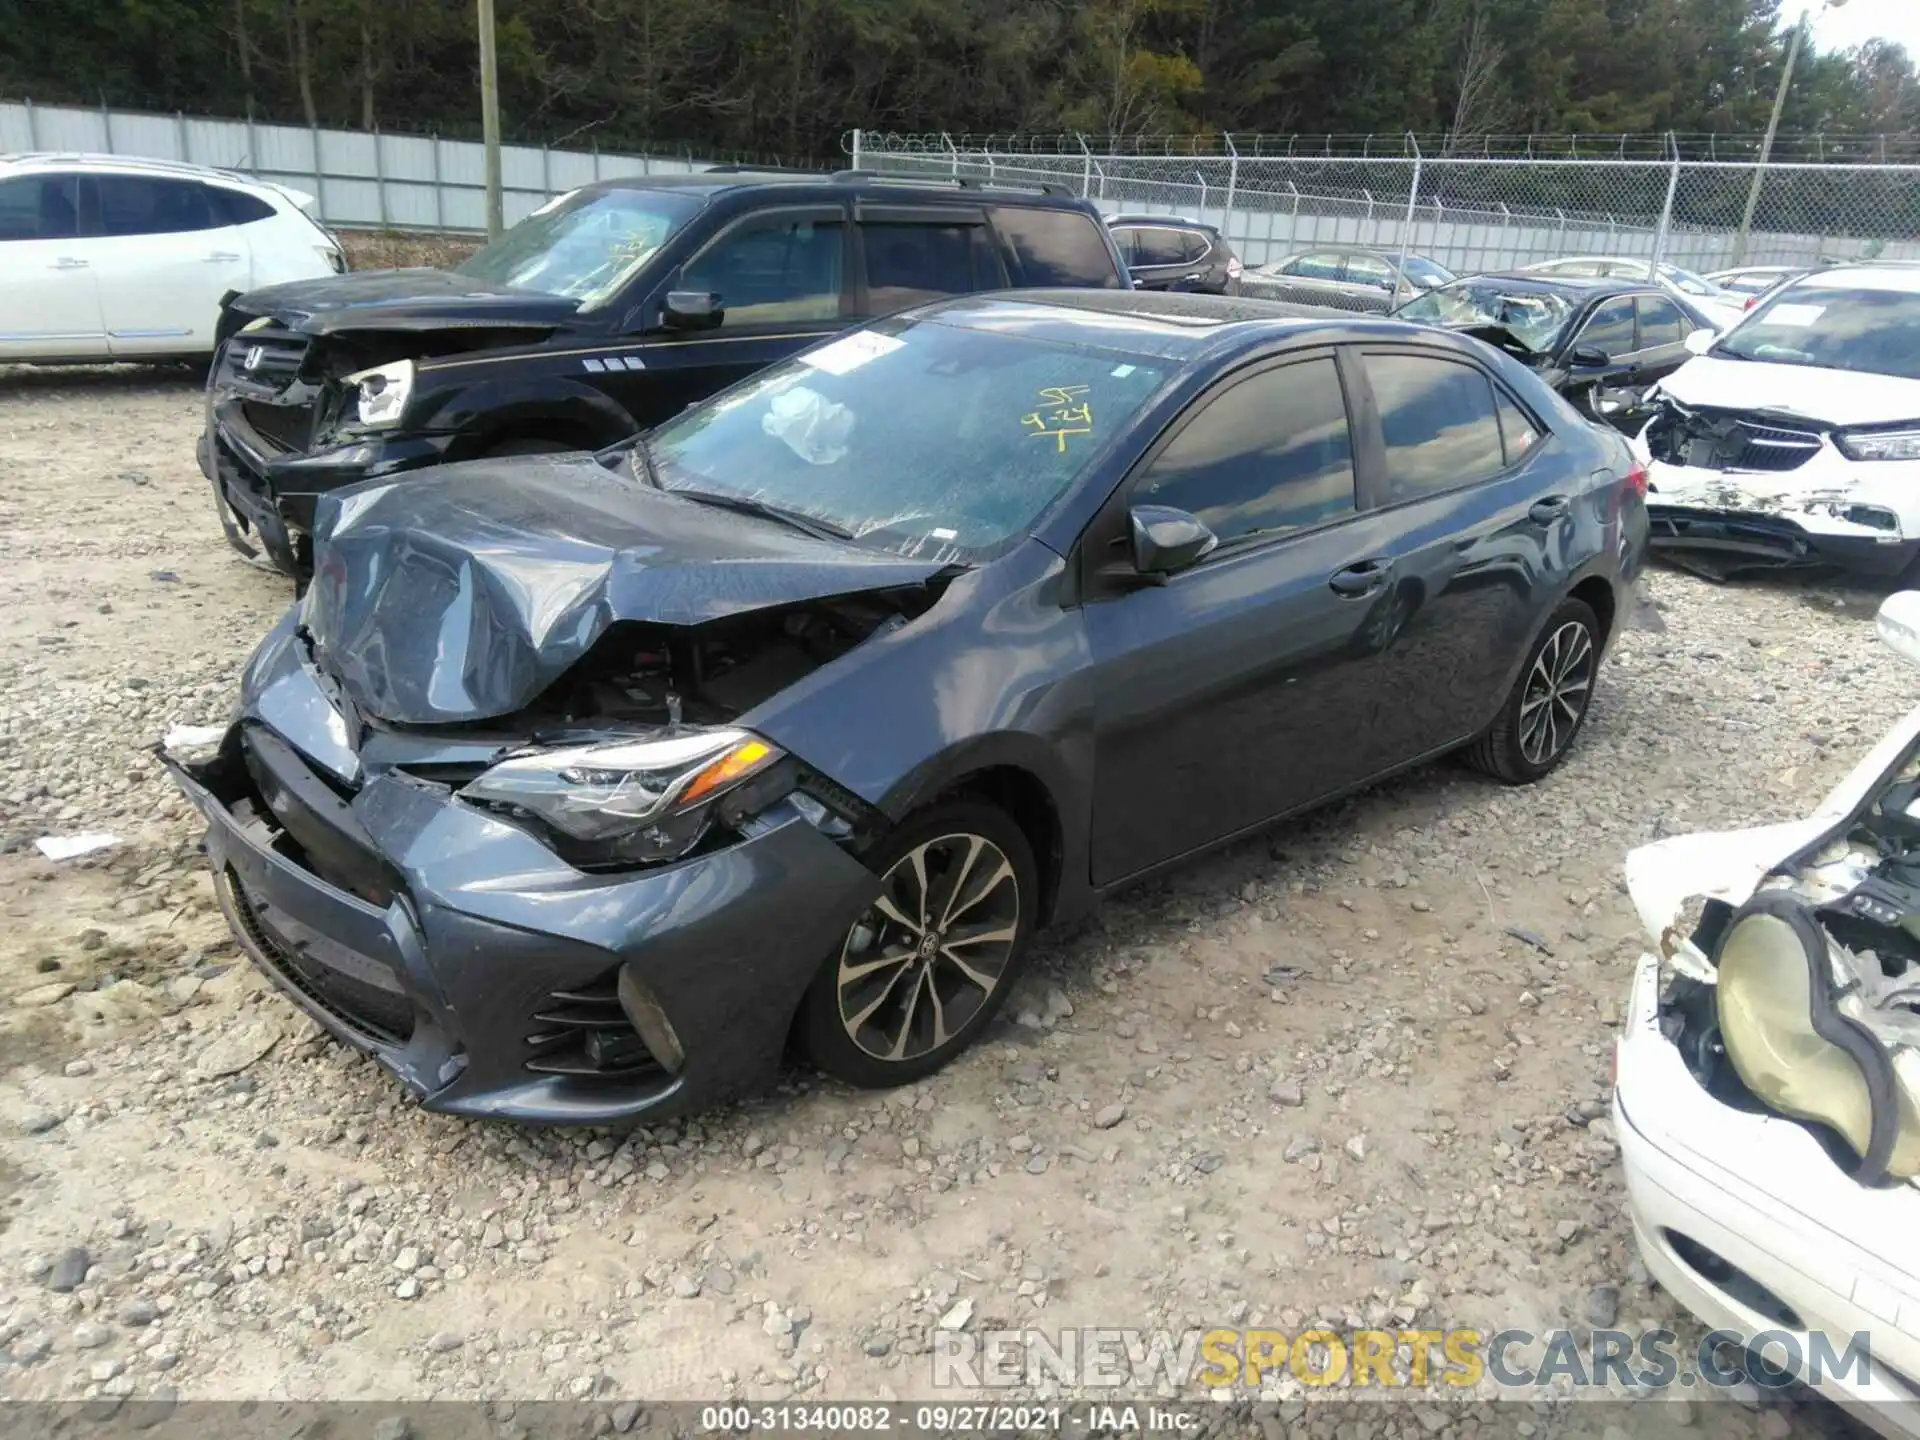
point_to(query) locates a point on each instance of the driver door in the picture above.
(783, 277)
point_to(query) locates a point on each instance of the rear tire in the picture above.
(1543, 713)
(919, 976)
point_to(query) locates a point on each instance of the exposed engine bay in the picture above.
(1804, 1000)
(1714, 439)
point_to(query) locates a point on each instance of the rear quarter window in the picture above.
(1058, 247)
(234, 207)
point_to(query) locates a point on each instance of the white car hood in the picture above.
(1837, 397)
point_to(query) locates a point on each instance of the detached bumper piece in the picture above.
(1722, 544)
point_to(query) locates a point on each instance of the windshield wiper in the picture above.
(643, 465)
(745, 505)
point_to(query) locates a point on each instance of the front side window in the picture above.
(909, 263)
(39, 207)
(152, 205)
(1269, 453)
(1438, 422)
(1058, 247)
(1321, 265)
(915, 437)
(1661, 322)
(584, 246)
(772, 269)
(1610, 328)
(1369, 270)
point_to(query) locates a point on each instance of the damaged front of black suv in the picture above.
(311, 381)
(552, 872)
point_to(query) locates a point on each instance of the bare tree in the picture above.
(1477, 104)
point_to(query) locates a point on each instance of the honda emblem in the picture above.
(254, 356)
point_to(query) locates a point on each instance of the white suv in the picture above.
(104, 257)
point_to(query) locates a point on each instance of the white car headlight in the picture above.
(635, 801)
(1879, 444)
(384, 392)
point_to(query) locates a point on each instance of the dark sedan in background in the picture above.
(1167, 253)
(1347, 279)
(1601, 343)
(576, 786)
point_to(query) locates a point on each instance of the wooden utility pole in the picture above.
(490, 117)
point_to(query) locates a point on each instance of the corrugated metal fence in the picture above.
(361, 180)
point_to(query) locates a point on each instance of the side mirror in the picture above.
(1899, 623)
(692, 310)
(1589, 357)
(1701, 341)
(1166, 541)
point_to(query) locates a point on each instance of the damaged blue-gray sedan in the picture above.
(575, 788)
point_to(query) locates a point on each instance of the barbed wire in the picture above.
(1815, 148)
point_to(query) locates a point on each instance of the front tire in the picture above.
(1548, 704)
(918, 977)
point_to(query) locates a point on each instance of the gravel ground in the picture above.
(1314, 1077)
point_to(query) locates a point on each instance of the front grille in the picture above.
(285, 427)
(1713, 439)
(375, 1011)
(584, 1033)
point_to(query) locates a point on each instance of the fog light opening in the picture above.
(651, 1021)
(1724, 1275)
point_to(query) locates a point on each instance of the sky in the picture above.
(1860, 20)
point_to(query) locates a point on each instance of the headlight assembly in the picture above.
(1780, 1008)
(1901, 444)
(383, 393)
(639, 801)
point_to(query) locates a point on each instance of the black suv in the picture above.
(1168, 253)
(601, 314)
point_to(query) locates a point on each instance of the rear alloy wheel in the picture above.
(1548, 703)
(918, 976)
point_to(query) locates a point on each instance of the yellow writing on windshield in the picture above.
(1062, 413)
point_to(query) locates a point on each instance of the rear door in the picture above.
(910, 254)
(165, 254)
(1471, 537)
(1226, 696)
(784, 276)
(49, 293)
(1158, 257)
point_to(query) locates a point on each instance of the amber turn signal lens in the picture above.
(732, 767)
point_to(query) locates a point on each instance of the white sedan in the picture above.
(1767, 1076)
(109, 258)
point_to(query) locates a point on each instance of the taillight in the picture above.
(1637, 481)
(1752, 300)
(1233, 267)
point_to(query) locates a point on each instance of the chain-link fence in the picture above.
(1474, 212)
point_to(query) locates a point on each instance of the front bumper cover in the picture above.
(266, 496)
(452, 946)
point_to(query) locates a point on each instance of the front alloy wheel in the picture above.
(919, 974)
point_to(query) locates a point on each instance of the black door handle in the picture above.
(1361, 578)
(1546, 511)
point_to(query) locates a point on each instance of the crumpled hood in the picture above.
(415, 299)
(463, 593)
(1834, 397)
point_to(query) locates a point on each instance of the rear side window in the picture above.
(1369, 270)
(1058, 247)
(1269, 453)
(1195, 244)
(1661, 322)
(1610, 328)
(1438, 422)
(235, 207)
(907, 264)
(39, 207)
(1516, 427)
(1159, 246)
(152, 205)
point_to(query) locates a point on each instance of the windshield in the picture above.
(1687, 282)
(1873, 331)
(584, 245)
(1424, 272)
(917, 437)
(1533, 317)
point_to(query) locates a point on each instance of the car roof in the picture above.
(1176, 222)
(1338, 248)
(726, 179)
(1899, 276)
(122, 164)
(1166, 325)
(1585, 284)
